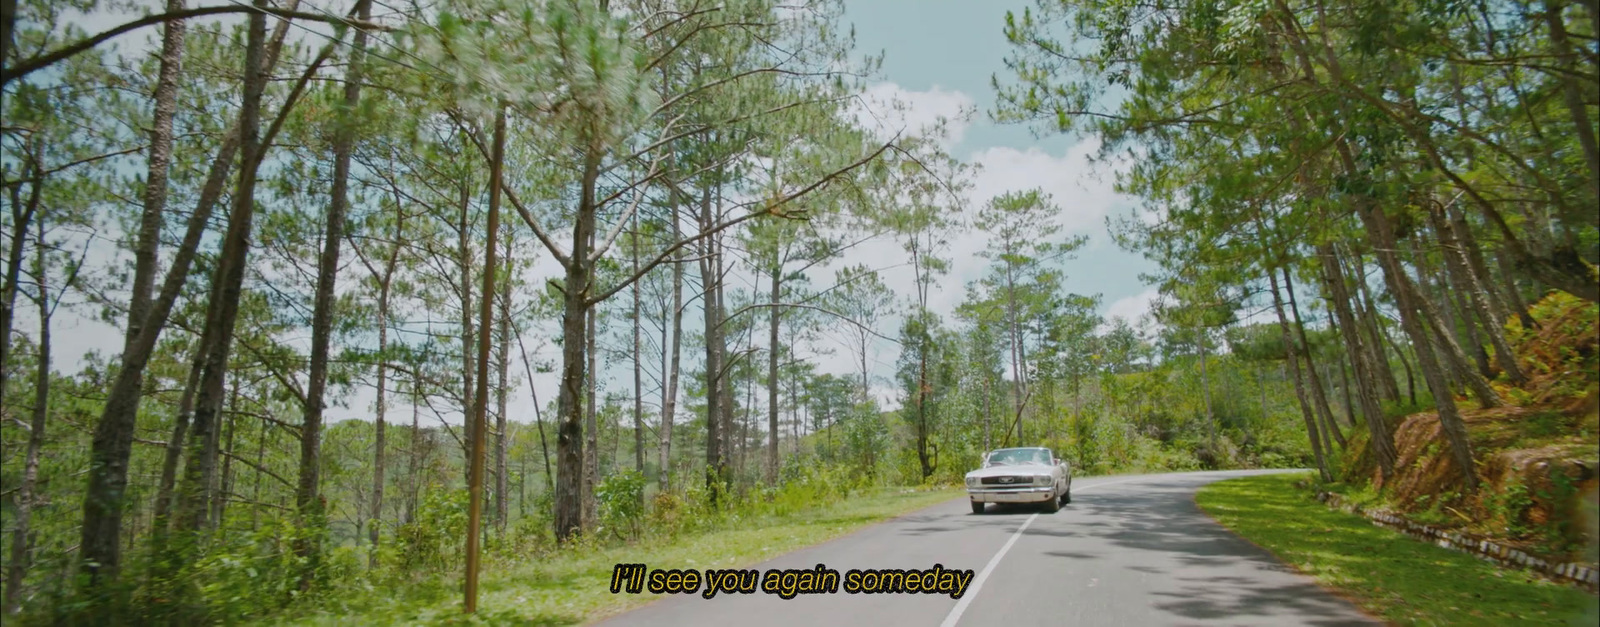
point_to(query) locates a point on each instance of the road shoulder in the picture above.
(1399, 579)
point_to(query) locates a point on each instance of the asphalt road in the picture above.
(1129, 550)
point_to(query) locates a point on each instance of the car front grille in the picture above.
(1008, 480)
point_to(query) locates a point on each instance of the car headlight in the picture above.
(972, 482)
(1041, 480)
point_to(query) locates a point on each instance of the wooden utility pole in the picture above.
(480, 400)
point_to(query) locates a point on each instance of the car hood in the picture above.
(1019, 469)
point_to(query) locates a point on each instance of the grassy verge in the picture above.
(1403, 580)
(573, 587)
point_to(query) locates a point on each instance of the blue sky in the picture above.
(940, 52)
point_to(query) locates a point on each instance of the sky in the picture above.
(944, 58)
(939, 57)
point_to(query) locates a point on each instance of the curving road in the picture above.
(1129, 550)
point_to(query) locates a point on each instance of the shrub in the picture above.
(620, 497)
(432, 541)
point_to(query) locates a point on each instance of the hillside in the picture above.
(1537, 456)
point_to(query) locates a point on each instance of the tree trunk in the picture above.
(22, 214)
(112, 445)
(1470, 286)
(480, 406)
(569, 400)
(464, 263)
(155, 189)
(8, 22)
(503, 357)
(113, 436)
(174, 453)
(379, 451)
(1379, 439)
(1411, 381)
(1013, 327)
(747, 429)
(669, 395)
(1455, 358)
(772, 370)
(591, 429)
(1261, 387)
(414, 455)
(1205, 389)
(1509, 276)
(925, 448)
(638, 371)
(1381, 233)
(1367, 310)
(538, 417)
(227, 288)
(1344, 390)
(380, 411)
(1381, 339)
(1318, 395)
(1572, 93)
(19, 560)
(710, 281)
(255, 490)
(1457, 369)
(1468, 248)
(988, 439)
(1299, 387)
(1437, 287)
(308, 490)
(725, 385)
(219, 501)
(1457, 301)
(112, 442)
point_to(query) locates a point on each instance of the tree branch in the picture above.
(527, 217)
(43, 61)
(258, 468)
(611, 237)
(770, 209)
(830, 312)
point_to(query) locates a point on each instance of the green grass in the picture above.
(1405, 581)
(574, 587)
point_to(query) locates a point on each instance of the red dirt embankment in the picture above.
(1537, 456)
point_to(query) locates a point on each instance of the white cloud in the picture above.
(1132, 308)
(1083, 191)
(888, 108)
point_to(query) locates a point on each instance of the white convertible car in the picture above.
(1020, 475)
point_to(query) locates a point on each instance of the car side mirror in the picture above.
(1056, 461)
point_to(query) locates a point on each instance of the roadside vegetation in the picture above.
(572, 277)
(529, 582)
(1539, 451)
(1389, 574)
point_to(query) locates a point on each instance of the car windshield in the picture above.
(1015, 456)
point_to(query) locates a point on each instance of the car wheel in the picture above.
(1052, 506)
(1067, 498)
(977, 508)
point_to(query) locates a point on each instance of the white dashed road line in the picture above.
(977, 584)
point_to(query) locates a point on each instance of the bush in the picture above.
(248, 574)
(621, 501)
(536, 531)
(432, 541)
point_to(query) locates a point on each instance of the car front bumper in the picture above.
(1034, 494)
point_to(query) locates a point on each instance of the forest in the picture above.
(402, 287)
